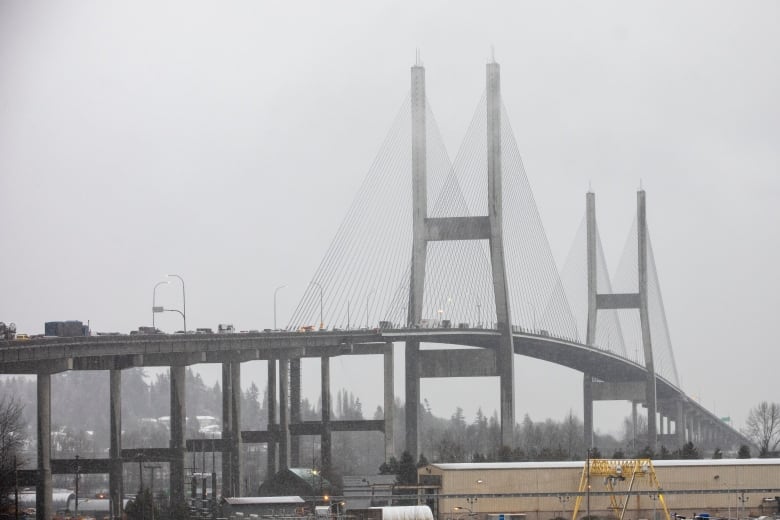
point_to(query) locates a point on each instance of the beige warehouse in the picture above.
(727, 488)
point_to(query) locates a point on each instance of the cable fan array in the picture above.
(363, 278)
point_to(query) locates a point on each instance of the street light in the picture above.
(154, 298)
(276, 291)
(183, 300)
(322, 323)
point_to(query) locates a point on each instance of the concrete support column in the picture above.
(590, 339)
(587, 409)
(698, 430)
(679, 424)
(115, 484)
(284, 413)
(644, 318)
(389, 402)
(231, 429)
(227, 431)
(505, 352)
(419, 256)
(177, 444)
(689, 427)
(235, 428)
(295, 409)
(272, 425)
(634, 432)
(43, 488)
(412, 397)
(326, 462)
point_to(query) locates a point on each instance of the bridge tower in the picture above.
(595, 390)
(427, 229)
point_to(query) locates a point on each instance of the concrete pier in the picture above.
(43, 489)
(115, 484)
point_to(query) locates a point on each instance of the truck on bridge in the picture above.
(66, 329)
(7, 331)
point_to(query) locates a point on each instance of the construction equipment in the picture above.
(615, 474)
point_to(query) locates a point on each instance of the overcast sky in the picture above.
(224, 141)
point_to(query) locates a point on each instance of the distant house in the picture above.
(304, 482)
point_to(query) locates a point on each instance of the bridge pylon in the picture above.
(488, 227)
(613, 301)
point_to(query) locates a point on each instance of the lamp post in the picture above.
(183, 300)
(322, 323)
(276, 291)
(479, 316)
(154, 298)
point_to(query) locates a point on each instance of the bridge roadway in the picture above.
(52, 355)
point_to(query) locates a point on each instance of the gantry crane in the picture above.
(615, 473)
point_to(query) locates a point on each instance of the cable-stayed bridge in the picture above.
(480, 258)
(433, 252)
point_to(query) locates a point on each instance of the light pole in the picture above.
(154, 298)
(183, 300)
(276, 291)
(479, 316)
(322, 323)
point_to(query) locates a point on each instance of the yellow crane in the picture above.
(618, 473)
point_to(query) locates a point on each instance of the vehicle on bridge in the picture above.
(66, 329)
(7, 331)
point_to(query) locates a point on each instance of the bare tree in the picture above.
(13, 435)
(763, 427)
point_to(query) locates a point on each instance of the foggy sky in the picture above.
(225, 141)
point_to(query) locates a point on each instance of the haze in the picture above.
(224, 142)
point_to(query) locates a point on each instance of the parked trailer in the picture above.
(393, 513)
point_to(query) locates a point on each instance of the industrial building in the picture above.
(723, 488)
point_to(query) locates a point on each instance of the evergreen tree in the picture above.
(689, 451)
(744, 452)
(141, 507)
(407, 470)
